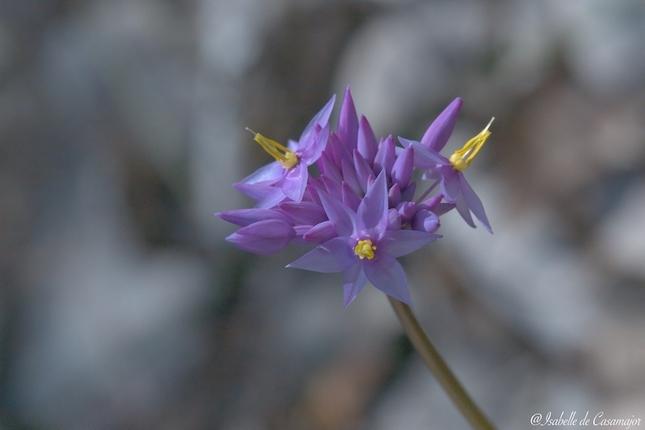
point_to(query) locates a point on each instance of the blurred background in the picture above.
(121, 130)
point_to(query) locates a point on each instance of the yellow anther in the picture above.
(281, 153)
(464, 156)
(290, 160)
(364, 249)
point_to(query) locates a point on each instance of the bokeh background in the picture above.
(121, 130)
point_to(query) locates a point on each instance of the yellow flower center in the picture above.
(464, 156)
(364, 249)
(281, 153)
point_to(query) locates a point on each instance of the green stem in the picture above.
(439, 368)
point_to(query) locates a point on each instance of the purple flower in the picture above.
(363, 249)
(449, 171)
(287, 177)
(359, 207)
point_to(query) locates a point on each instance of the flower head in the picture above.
(363, 248)
(362, 207)
(287, 176)
(449, 171)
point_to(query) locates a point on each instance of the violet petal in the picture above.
(302, 212)
(349, 197)
(266, 196)
(321, 118)
(438, 133)
(263, 237)
(337, 214)
(312, 148)
(384, 158)
(372, 212)
(363, 170)
(295, 181)
(394, 195)
(244, 217)
(268, 173)
(402, 168)
(387, 275)
(366, 144)
(348, 121)
(474, 203)
(329, 257)
(402, 242)
(354, 280)
(320, 232)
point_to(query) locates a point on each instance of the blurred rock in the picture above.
(112, 327)
(616, 243)
(601, 43)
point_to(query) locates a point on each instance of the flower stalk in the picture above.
(439, 368)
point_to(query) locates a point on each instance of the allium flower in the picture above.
(360, 207)
(364, 249)
(287, 176)
(449, 171)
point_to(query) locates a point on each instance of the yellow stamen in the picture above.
(365, 249)
(281, 153)
(464, 156)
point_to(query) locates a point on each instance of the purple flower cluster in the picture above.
(362, 206)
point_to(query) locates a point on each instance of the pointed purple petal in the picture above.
(402, 242)
(266, 196)
(312, 147)
(348, 121)
(335, 255)
(354, 280)
(337, 214)
(244, 217)
(387, 275)
(335, 149)
(450, 186)
(321, 118)
(294, 183)
(320, 232)
(402, 168)
(406, 142)
(349, 197)
(331, 187)
(363, 170)
(384, 158)
(329, 168)
(366, 143)
(474, 203)
(268, 173)
(372, 212)
(438, 133)
(302, 212)
(263, 237)
(394, 195)
(311, 193)
(349, 175)
(464, 211)
(425, 158)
